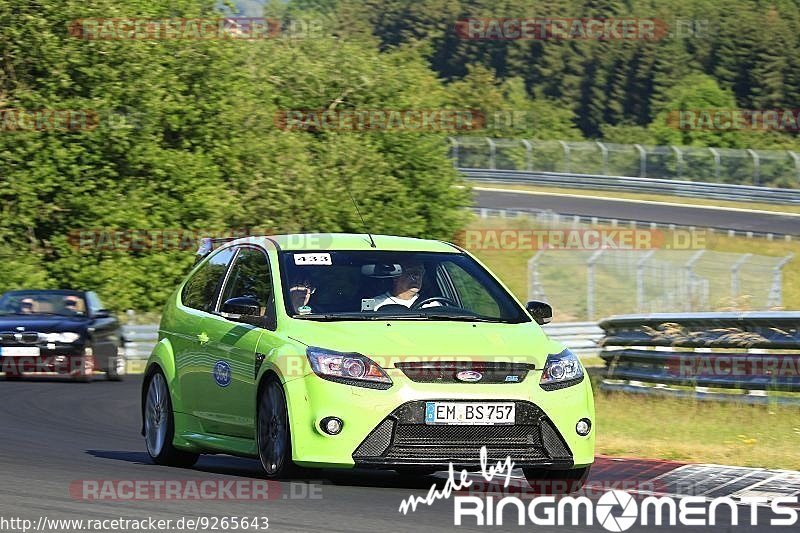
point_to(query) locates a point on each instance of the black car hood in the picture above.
(43, 323)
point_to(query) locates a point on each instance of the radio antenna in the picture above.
(371, 240)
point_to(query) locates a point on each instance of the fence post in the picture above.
(678, 160)
(528, 155)
(590, 283)
(604, 151)
(492, 153)
(565, 146)
(640, 280)
(690, 276)
(735, 285)
(776, 291)
(756, 167)
(796, 158)
(454, 153)
(717, 162)
(534, 285)
(642, 160)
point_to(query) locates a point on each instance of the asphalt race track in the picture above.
(632, 210)
(56, 434)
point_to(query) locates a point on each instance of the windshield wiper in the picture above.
(330, 316)
(464, 318)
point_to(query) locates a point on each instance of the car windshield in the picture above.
(42, 303)
(368, 285)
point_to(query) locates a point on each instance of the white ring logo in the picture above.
(616, 498)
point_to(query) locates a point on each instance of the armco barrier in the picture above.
(752, 357)
(692, 189)
(580, 337)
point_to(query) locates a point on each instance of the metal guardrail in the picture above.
(692, 189)
(580, 337)
(750, 357)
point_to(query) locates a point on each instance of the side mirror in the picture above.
(242, 306)
(541, 312)
(101, 313)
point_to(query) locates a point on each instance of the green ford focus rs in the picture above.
(344, 350)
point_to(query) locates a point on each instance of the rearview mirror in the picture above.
(242, 306)
(541, 312)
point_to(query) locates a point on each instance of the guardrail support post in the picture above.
(604, 151)
(528, 155)
(590, 283)
(492, 153)
(642, 160)
(756, 167)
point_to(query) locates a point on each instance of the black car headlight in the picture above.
(348, 368)
(561, 370)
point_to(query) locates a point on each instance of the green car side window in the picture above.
(201, 289)
(250, 277)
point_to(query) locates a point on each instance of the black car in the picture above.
(60, 332)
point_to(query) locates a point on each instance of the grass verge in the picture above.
(698, 431)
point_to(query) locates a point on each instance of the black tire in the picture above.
(159, 425)
(273, 438)
(557, 482)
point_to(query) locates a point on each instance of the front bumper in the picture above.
(386, 428)
(403, 439)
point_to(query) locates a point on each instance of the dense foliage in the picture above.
(186, 135)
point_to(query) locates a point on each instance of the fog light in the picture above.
(583, 427)
(331, 425)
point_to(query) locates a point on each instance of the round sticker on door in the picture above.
(222, 373)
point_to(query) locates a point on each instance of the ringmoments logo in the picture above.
(615, 510)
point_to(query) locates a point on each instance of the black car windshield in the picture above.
(369, 285)
(63, 303)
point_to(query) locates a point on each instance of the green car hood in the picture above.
(411, 340)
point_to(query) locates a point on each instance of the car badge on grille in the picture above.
(469, 376)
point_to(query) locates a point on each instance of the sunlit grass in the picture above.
(698, 431)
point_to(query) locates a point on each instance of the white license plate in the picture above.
(472, 413)
(19, 351)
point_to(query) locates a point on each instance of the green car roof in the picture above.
(354, 241)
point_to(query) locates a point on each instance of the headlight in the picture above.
(561, 370)
(66, 337)
(350, 368)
